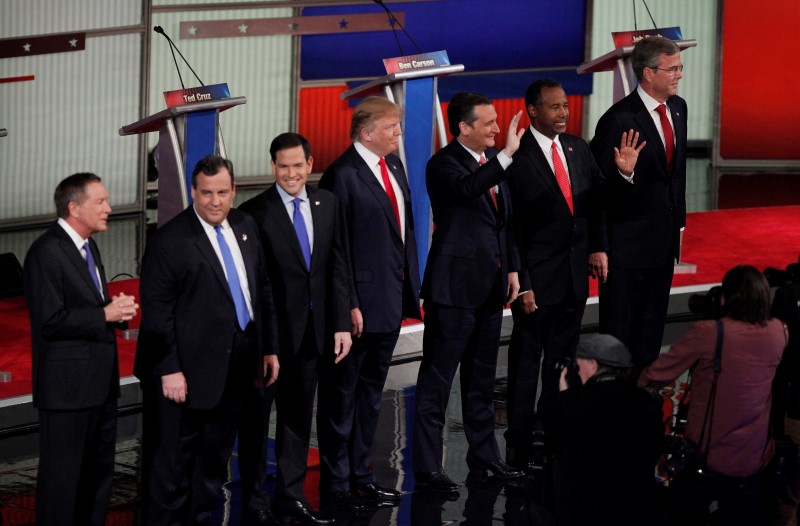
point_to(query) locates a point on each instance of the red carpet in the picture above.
(714, 241)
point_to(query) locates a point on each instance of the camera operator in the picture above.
(609, 438)
(737, 442)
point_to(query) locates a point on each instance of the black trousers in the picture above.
(348, 409)
(294, 399)
(76, 464)
(552, 330)
(456, 336)
(187, 450)
(633, 307)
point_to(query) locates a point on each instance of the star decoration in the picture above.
(27, 48)
(73, 42)
(293, 26)
(343, 24)
(192, 30)
(243, 29)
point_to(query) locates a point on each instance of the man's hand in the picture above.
(121, 308)
(627, 154)
(358, 322)
(513, 287)
(562, 380)
(341, 345)
(271, 368)
(514, 135)
(528, 302)
(174, 387)
(598, 266)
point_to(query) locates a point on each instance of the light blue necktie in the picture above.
(242, 315)
(92, 267)
(302, 233)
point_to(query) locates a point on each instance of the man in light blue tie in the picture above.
(303, 238)
(208, 339)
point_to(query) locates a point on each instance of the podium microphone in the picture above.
(393, 19)
(173, 48)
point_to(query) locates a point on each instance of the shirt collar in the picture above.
(649, 102)
(369, 157)
(475, 155)
(73, 235)
(208, 226)
(545, 141)
(286, 198)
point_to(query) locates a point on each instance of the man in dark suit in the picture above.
(553, 182)
(645, 202)
(384, 290)
(304, 242)
(208, 337)
(470, 274)
(74, 348)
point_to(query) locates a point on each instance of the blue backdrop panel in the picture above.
(418, 140)
(201, 140)
(484, 36)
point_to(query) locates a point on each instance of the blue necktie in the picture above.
(302, 233)
(242, 315)
(92, 268)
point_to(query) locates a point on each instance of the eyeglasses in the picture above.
(671, 71)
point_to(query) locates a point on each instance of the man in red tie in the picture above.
(470, 274)
(644, 206)
(370, 182)
(554, 189)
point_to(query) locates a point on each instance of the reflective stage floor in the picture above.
(481, 501)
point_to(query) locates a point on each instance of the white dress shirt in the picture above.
(79, 242)
(545, 144)
(372, 161)
(305, 210)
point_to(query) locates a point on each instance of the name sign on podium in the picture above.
(629, 38)
(201, 94)
(433, 59)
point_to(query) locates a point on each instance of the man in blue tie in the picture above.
(303, 238)
(208, 338)
(74, 352)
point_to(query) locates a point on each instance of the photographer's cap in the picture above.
(606, 349)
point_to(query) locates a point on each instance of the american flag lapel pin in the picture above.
(244, 237)
(569, 148)
(316, 203)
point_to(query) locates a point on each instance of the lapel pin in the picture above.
(316, 203)
(677, 114)
(244, 237)
(569, 148)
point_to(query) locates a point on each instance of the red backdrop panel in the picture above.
(760, 116)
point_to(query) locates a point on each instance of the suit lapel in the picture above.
(648, 128)
(318, 216)
(371, 182)
(205, 247)
(678, 130)
(246, 248)
(536, 155)
(74, 256)
(100, 269)
(280, 218)
(471, 166)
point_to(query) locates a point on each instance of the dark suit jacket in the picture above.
(378, 259)
(74, 348)
(295, 287)
(472, 240)
(553, 244)
(643, 219)
(188, 315)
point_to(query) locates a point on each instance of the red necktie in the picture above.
(561, 177)
(669, 138)
(492, 193)
(389, 190)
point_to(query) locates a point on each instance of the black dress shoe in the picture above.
(375, 491)
(296, 512)
(437, 481)
(344, 500)
(499, 469)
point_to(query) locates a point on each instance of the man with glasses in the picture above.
(640, 146)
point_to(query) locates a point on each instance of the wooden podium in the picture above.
(186, 133)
